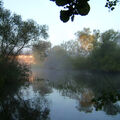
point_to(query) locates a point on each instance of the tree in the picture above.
(78, 7)
(72, 47)
(86, 39)
(106, 56)
(57, 59)
(95, 51)
(16, 34)
(84, 43)
(40, 50)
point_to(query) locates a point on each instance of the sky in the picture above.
(47, 12)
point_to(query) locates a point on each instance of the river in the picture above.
(54, 94)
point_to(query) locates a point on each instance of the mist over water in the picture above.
(71, 91)
(54, 66)
(56, 91)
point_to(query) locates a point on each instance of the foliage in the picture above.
(16, 34)
(12, 72)
(106, 100)
(111, 4)
(84, 43)
(78, 7)
(72, 47)
(16, 107)
(106, 56)
(57, 59)
(80, 62)
(40, 50)
(95, 51)
(74, 7)
(86, 39)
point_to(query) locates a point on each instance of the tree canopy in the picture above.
(94, 50)
(78, 7)
(16, 34)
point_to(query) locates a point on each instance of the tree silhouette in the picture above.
(78, 7)
(16, 34)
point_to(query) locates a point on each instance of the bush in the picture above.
(12, 73)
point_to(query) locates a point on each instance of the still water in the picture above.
(69, 94)
(66, 95)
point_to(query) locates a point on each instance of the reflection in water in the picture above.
(64, 95)
(85, 86)
(24, 105)
(108, 102)
(85, 102)
(41, 86)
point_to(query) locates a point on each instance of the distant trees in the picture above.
(86, 39)
(72, 47)
(40, 50)
(84, 43)
(58, 59)
(78, 7)
(94, 50)
(106, 56)
(89, 51)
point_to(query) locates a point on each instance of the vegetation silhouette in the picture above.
(78, 7)
(15, 35)
(40, 50)
(90, 52)
(13, 106)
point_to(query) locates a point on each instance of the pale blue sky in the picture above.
(46, 12)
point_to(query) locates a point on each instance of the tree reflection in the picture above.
(21, 107)
(41, 86)
(92, 90)
(108, 102)
(85, 102)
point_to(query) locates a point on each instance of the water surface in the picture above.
(54, 94)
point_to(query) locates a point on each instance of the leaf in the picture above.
(61, 2)
(83, 9)
(64, 15)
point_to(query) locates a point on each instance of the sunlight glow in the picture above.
(29, 59)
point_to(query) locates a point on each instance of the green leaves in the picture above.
(111, 4)
(83, 9)
(78, 7)
(64, 15)
(16, 34)
(72, 8)
(61, 2)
